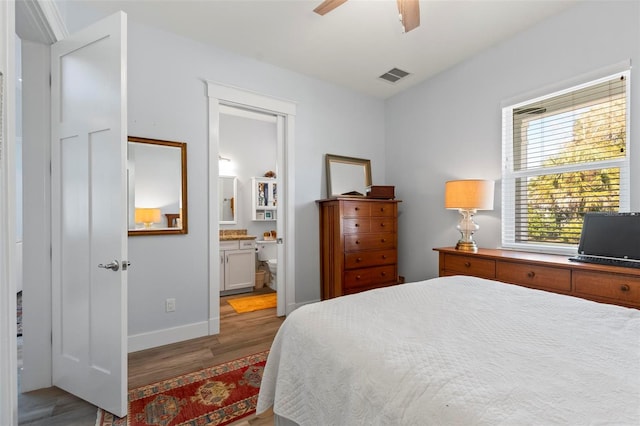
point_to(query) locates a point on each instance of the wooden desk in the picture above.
(602, 283)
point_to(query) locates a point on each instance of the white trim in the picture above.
(46, 24)
(8, 350)
(54, 19)
(219, 95)
(153, 339)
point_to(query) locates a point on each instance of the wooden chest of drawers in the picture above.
(358, 245)
(602, 283)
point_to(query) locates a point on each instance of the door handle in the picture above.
(114, 266)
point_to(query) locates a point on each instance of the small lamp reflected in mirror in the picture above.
(147, 216)
(468, 196)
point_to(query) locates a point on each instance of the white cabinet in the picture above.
(264, 198)
(237, 265)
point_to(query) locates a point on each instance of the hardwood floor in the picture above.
(240, 335)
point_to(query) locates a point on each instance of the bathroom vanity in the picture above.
(237, 263)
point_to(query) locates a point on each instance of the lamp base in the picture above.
(467, 228)
(467, 246)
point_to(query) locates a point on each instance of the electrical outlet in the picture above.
(170, 305)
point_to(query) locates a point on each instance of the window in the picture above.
(564, 154)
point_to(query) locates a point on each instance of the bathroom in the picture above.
(248, 188)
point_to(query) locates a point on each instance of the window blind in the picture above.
(564, 154)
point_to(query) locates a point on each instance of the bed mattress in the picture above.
(455, 351)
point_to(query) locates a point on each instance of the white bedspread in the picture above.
(456, 351)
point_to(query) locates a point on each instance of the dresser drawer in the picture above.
(362, 225)
(383, 210)
(602, 285)
(469, 265)
(369, 276)
(355, 242)
(535, 276)
(354, 290)
(370, 258)
(356, 209)
(356, 225)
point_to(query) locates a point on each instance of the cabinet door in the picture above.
(239, 269)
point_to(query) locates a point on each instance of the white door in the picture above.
(89, 214)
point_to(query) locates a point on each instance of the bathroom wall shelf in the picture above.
(264, 199)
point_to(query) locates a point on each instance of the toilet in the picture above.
(268, 253)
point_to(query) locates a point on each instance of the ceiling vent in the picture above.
(393, 75)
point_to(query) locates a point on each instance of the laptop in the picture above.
(610, 239)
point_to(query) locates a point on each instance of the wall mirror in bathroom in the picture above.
(347, 176)
(157, 183)
(228, 193)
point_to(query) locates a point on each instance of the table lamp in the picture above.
(468, 196)
(147, 216)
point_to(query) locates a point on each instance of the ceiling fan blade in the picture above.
(409, 14)
(327, 6)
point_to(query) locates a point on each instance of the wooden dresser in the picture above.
(602, 283)
(358, 245)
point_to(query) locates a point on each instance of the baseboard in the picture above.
(153, 339)
(142, 341)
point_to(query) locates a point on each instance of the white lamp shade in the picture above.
(469, 194)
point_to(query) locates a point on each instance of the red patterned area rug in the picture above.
(217, 395)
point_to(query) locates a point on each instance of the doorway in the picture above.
(248, 159)
(223, 97)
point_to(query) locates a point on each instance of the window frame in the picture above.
(509, 176)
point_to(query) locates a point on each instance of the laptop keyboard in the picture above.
(606, 261)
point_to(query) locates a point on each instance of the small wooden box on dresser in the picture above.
(358, 245)
(603, 283)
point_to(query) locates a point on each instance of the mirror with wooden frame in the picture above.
(347, 176)
(157, 183)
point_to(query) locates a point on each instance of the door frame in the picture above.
(8, 348)
(218, 95)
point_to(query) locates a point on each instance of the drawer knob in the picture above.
(357, 224)
(384, 256)
(467, 264)
(357, 208)
(382, 274)
(531, 274)
(357, 241)
(383, 240)
(382, 225)
(358, 260)
(624, 287)
(357, 277)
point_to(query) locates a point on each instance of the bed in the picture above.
(455, 351)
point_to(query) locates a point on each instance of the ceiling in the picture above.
(352, 45)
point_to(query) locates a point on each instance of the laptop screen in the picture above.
(611, 235)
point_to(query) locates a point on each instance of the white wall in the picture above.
(167, 100)
(450, 126)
